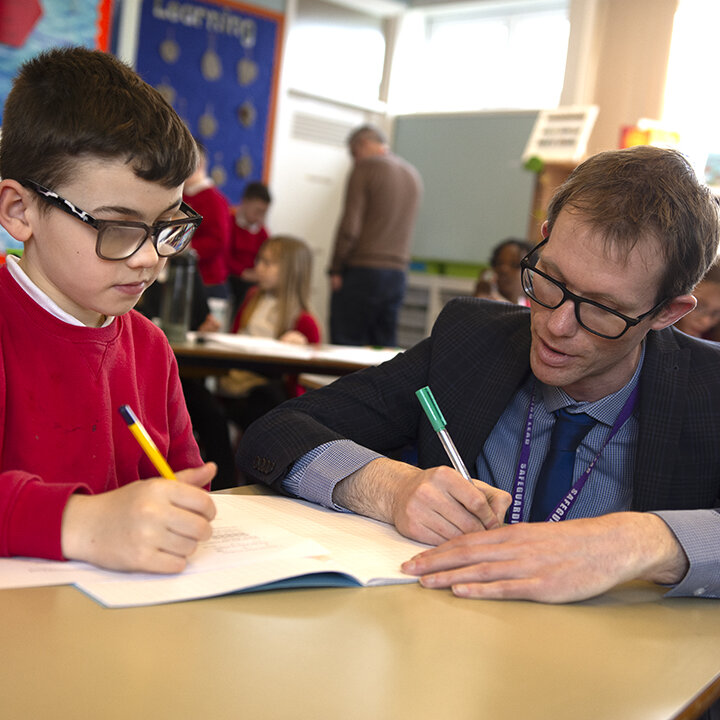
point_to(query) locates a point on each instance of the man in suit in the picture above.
(628, 236)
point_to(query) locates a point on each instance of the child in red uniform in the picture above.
(81, 130)
(247, 235)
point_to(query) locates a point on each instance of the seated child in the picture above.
(505, 264)
(278, 307)
(82, 130)
(704, 320)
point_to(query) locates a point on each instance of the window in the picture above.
(509, 56)
(692, 104)
(336, 53)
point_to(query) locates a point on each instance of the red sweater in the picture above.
(244, 246)
(211, 240)
(60, 429)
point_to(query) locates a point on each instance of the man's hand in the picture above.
(150, 525)
(430, 506)
(554, 562)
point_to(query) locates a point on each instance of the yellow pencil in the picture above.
(146, 442)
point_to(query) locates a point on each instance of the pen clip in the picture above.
(430, 406)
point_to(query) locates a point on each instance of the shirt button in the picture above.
(700, 591)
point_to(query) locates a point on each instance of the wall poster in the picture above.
(28, 27)
(216, 62)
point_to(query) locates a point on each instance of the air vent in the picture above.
(314, 128)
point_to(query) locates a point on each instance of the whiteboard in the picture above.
(476, 189)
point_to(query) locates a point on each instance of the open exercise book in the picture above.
(259, 542)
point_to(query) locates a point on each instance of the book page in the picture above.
(369, 550)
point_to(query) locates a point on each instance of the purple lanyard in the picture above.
(560, 512)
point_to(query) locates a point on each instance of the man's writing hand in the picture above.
(430, 506)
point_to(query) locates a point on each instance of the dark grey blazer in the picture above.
(475, 359)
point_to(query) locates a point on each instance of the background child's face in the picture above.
(267, 267)
(254, 211)
(706, 315)
(60, 255)
(507, 271)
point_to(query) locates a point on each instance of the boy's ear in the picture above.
(13, 210)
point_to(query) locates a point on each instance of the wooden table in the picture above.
(215, 353)
(397, 652)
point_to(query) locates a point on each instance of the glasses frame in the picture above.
(577, 300)
(151, 231)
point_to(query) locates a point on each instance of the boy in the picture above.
(81, 130)
(247, 235)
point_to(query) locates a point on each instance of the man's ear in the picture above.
(545, 230)
(13, 210)
(678, 307)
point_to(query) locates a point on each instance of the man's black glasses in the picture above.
(119, 239)
(595, 317)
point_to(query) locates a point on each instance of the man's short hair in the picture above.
(641, 193)
(69, 104)
(257, 191)
(366, 132)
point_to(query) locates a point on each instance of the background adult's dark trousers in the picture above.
(365, 309)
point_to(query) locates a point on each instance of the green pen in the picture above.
(430, 406)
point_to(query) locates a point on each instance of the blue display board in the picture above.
(217, 64)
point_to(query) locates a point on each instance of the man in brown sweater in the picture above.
(372, 244)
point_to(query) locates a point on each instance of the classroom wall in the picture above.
(630, 52)
(617, 59)
(476, 189)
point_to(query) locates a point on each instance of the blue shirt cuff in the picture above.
(313, 476)
(698, 532)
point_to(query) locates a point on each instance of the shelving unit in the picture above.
(425, 297)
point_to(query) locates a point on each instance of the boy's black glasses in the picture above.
(595, 317)
(119, 239)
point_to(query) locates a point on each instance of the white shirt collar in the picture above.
(40, 297)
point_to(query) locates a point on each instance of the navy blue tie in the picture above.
(556, 474)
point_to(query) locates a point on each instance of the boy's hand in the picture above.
(150, 525)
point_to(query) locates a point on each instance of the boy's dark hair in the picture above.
(68, 104)
(257, 191)
(646, 193)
